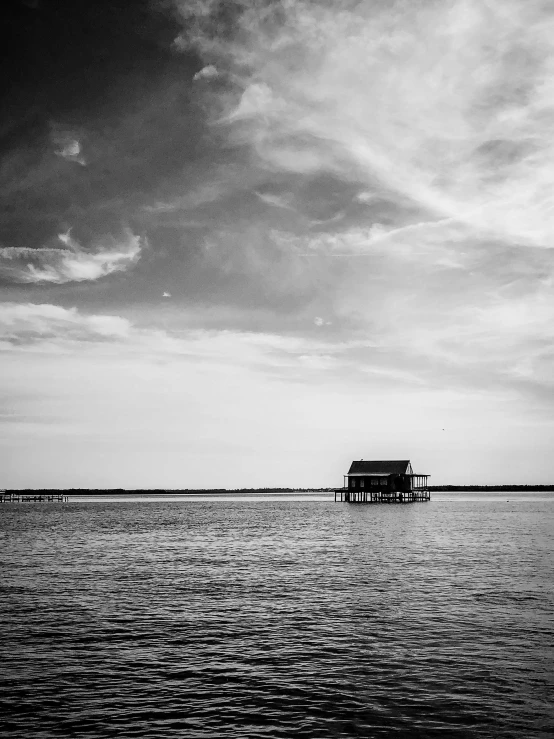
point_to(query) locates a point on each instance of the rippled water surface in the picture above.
(278, 618)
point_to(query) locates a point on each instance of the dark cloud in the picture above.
(110, 127)
(96, 116)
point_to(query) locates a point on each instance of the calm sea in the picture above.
(278, 618)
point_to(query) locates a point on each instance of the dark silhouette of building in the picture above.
(383, 481)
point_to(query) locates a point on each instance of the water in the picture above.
(278, 618)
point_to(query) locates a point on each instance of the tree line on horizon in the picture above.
(200, 491)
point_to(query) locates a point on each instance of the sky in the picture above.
(244, 242)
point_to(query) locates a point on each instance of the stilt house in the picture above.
(369, 481)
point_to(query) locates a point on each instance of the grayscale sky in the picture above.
(242, 243)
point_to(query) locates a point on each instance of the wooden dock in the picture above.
(32, 497)
(347, 495)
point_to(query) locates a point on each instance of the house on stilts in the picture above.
(391, 481)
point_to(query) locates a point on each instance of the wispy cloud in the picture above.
(444, 103)
(437, 115)
(71, 263)
(46, 329)
(277, 201)
(51, 327)
(440, 303)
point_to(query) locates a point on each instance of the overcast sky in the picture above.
(243, 243)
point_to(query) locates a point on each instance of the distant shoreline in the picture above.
(263, 491)
(488, 488)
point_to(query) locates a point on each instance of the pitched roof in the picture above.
(388, 467)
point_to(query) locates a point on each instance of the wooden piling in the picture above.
(346, 495)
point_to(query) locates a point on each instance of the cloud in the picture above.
(71, 382)
(275, 200)
(436, 303)
(72, 263)
(68, 145)
(48, 327)
(223, 182)
(30, 324)
(209, 72)
(28, 331)
(446, 104)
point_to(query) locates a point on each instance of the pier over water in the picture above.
(32, 497)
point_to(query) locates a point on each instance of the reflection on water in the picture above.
(279, 618)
